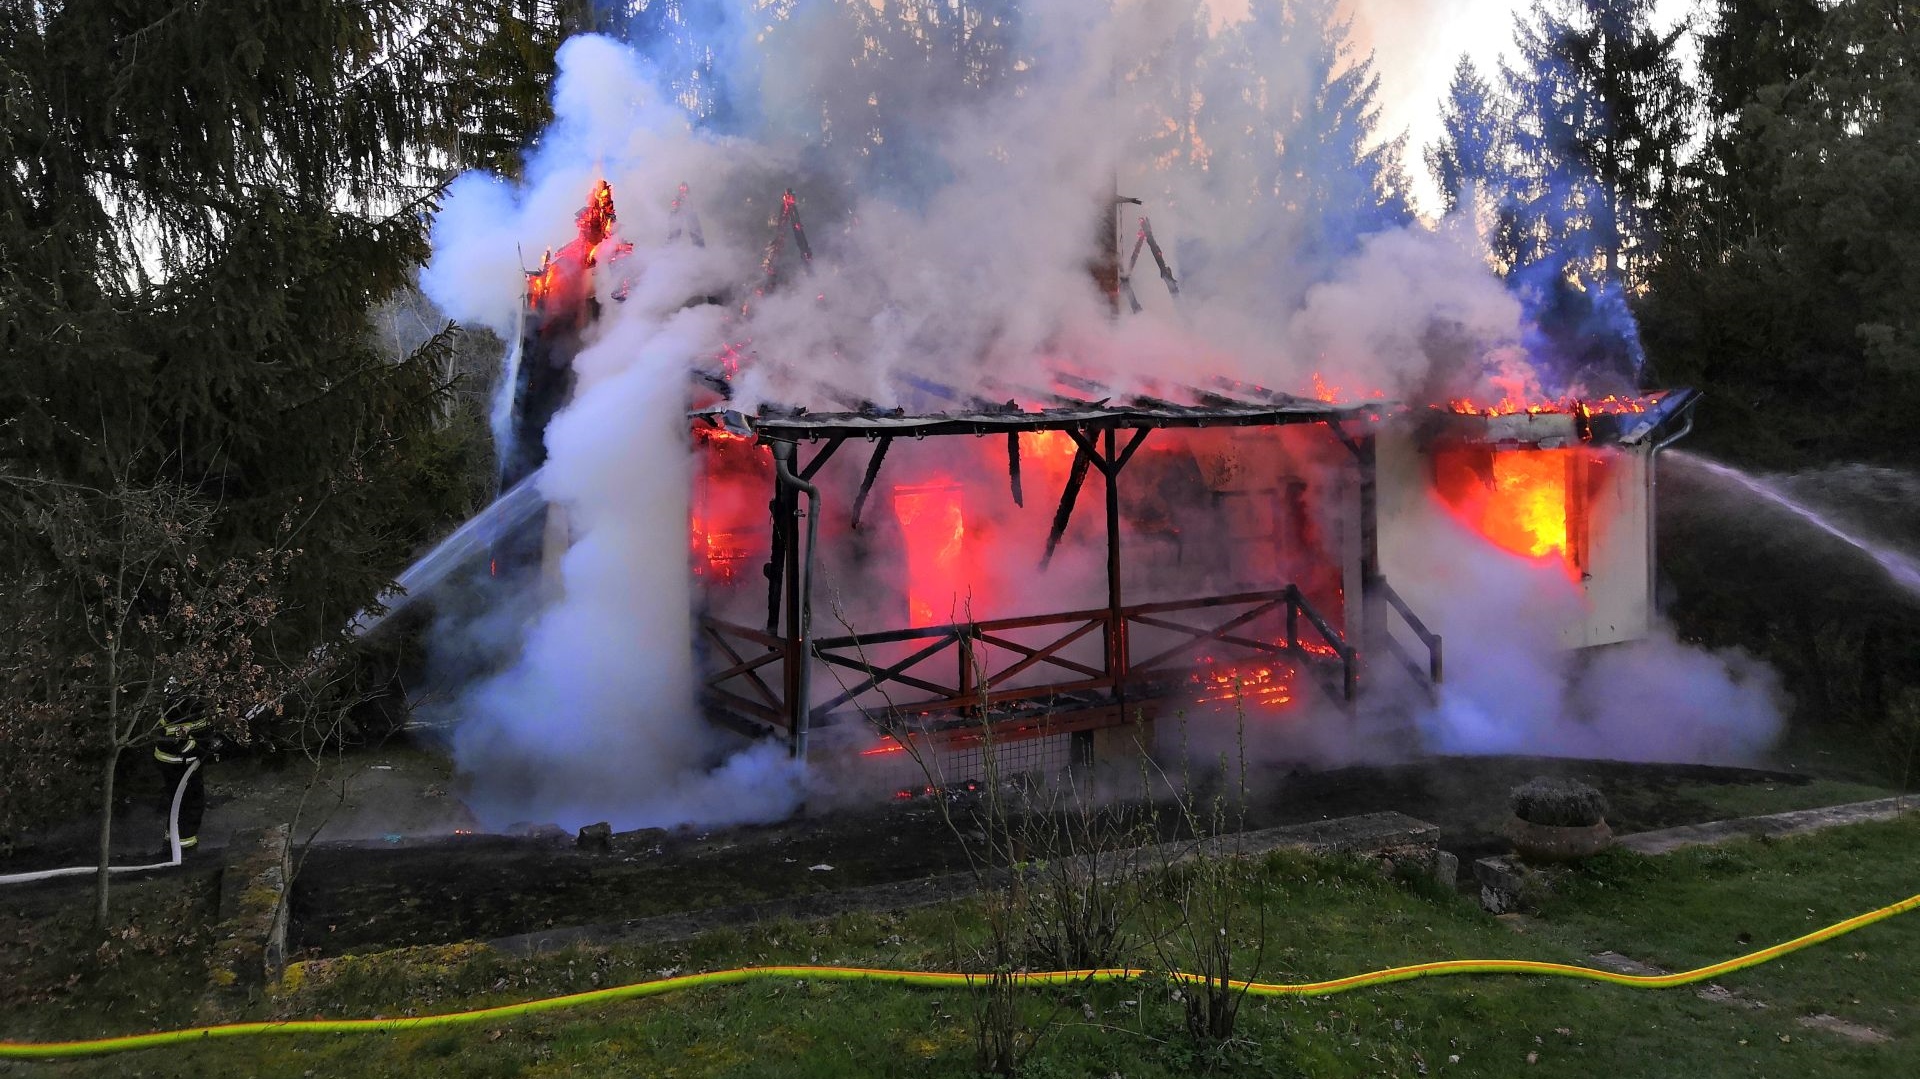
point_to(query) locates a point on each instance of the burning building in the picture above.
(1075, 551)
(1569, 484)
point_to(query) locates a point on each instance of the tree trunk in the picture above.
(106, 839)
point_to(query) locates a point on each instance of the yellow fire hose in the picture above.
(938, 979)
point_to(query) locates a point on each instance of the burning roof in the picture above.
(1613, 420)
(796, 422)
(563, 284)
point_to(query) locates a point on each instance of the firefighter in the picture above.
(175, 754)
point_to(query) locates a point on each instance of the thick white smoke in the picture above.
(963, 261)
(596, 718)
(1512, 688)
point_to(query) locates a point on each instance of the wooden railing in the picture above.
(988, 666)
(1427, 678)
(1038, 660)
(754, 683)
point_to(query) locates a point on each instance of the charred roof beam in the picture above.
(873, 473)
(1144, 237)
(1086, 453)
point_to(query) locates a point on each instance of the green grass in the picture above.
(1322, 918)
(1725, 801)
(1850, 752)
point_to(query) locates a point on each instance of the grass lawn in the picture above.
(1322, 918)
(1726, 801)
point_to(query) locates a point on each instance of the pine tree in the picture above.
(1789, 294)
(1747, 48)
(1797, 296)
(200, 205)
(1286, 137)
(499, 94)
(502, 64)
(859, 79)
(1159, 84)
(1468, 154)
(1348, 181)
(1601, 117)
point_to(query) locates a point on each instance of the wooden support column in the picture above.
(1069, 496)
(799, 614)
(1116, 620)
(1110, 460)
(1373, 621)
(1081, 749)
(788, 528)
(776, 568)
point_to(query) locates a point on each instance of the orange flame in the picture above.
(934, 528)
(564, 278)
(596, 221)
(1333, 395)
(1528, 512)
(1612, 404)
(1048, 456)
(1519, 503)
(725, 523)
(706, 434)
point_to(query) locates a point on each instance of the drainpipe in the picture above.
(803, 682)
(1653, 488)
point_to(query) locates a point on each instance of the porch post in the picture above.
(1117, 633)
(1373, 622)
(795, 642)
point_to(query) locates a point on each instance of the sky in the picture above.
(1416, 44)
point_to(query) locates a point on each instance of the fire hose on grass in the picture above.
(173, 844)
(942, 980)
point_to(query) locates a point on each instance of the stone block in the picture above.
(1501, 879)
(250, 941)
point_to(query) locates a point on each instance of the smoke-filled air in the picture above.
(950, 186)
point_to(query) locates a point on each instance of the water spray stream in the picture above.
(515, 504)
(500, 416)
(1904, 571)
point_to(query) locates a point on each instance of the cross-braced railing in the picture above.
(1016, 665)
(1235, 638)
(753, 681)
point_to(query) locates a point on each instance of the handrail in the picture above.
(768, 707)
(894, 636)
(1349, 680)
(965, 635)
(1435, 664)
(908, 667)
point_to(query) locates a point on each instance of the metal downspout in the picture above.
(783, 467)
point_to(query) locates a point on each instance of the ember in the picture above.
(718, 554)
(1262, 686)
(1611, 405)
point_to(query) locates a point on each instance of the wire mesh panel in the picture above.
(1041, 755)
